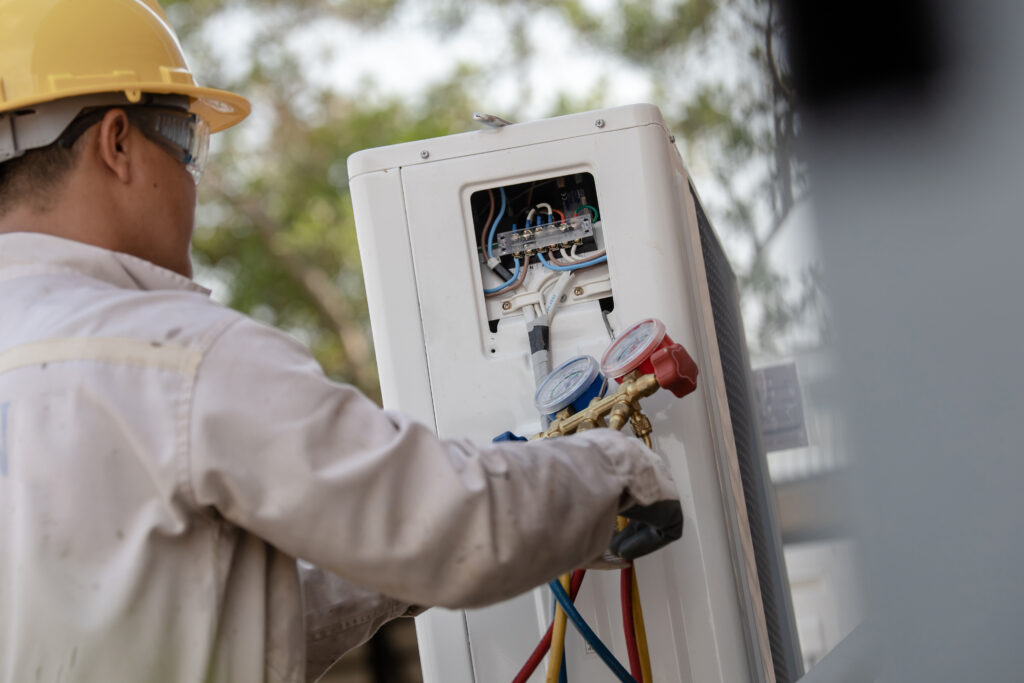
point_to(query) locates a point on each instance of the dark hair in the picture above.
(34, 177)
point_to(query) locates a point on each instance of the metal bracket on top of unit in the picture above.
(553, 235)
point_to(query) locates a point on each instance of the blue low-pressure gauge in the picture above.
(573, 383)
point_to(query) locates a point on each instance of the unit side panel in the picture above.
(384, 248)
(659, 239)
(718, 301)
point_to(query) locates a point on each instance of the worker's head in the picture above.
(103, 130)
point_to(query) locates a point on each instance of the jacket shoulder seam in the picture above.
(186, 412)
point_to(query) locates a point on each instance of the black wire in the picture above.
(534, 185)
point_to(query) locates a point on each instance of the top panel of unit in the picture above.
(507, 137)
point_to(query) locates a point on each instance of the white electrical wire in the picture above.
(549, 279)
(533, 211)
(571, 255)
(553, 299)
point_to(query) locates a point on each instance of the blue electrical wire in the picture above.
(588, 635)
(515, 276)
(575, 266)
(490, 246)
(494, 225)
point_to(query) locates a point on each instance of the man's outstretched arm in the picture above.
(322, 473)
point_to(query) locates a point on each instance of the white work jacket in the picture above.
(164, 460)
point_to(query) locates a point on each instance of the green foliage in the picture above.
(646, 32)
(283, 232)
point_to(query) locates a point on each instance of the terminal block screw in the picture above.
(578, 291)
(506, 305)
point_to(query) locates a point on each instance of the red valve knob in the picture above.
(675, 370)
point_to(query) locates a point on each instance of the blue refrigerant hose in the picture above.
(588, 635)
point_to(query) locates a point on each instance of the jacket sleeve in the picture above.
(322, 473)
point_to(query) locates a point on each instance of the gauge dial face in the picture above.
(565, 384)
(630, 349)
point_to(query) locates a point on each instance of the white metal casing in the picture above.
(440, 363)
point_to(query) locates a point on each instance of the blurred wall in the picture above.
(914, 113)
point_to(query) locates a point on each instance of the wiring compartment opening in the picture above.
(533, 239)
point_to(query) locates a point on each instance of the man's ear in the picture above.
(114, 142)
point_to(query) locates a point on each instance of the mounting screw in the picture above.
(506, 305)
(578, 291)
(424, 154)
(599, 123)
(672, 139)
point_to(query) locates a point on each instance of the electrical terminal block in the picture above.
(543, 238)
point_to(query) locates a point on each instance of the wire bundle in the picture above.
(490, 228)
(553, 640)
(569, 261)
(545, 643)
(588, 635)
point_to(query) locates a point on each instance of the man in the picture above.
(164, 460)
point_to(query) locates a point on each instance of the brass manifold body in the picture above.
(612, 411)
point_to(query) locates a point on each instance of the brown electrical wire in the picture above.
(483, 246)
(513, 285)
(487, 223)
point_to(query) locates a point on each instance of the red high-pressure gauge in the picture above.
(634, 348)
(646, 347)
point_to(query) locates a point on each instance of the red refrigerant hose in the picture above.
(626, 599)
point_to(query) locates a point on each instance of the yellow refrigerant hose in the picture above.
(558, 636)
(641, 633)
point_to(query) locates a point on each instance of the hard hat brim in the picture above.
(219, 108)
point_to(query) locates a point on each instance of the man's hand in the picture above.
(650, 528)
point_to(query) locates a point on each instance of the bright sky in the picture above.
(404, 56)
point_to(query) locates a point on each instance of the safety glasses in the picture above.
(184, 135)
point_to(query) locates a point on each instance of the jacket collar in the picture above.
(28, 253)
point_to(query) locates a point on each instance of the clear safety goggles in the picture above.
(184, 135)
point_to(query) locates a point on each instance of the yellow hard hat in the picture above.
(56, 49)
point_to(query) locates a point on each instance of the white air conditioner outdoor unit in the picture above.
(716, 604)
